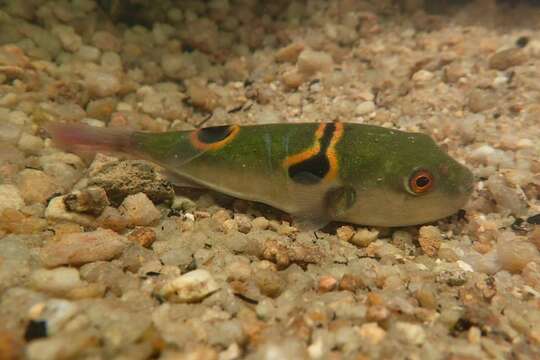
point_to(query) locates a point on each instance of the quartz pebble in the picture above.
(430, 239)
(345, 233)
(363, 237)
(69, 39)
(506, 197)
(514, 255)
(311, 62)
(290, 52)
(10, 197)
(57, 211)
(81, 248)
(365, 107)
(327, 283)
(422, 76)
(58, 280)
(480, 100)
(101, 83)
(139, 210)
(372, 333)
(190, 287)
(410, 333)
(36, 186)
(143, 236)
(505, 59)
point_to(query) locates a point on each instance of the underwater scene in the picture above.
(250, 179)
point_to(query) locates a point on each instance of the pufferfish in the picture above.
(317, 172)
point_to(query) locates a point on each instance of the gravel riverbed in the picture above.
(101, 258)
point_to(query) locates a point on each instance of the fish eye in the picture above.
(420, 182)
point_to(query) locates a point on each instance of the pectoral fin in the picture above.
(339, 200)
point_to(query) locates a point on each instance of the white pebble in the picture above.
(365, 107)
(101, 83)
(56, 210)
(412, 333)
(57, 280)
(192, 286)
(422, 76)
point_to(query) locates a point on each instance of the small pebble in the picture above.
(10, 197)
(327, 283)
(514, 255)
(69, 39)
(190, 287)
(505, 196)
(365, 107)
(345, 233)
(57, 211)
(58, 280)
(260, 223)
(351, 282)
(422, 76)
(202, 96)
(101, 83)
(30, 144)
(289, 53)
(243, 223)
(36, 186)
(430, 239)
(229, 225)
(363, 237)
(81, 248)
(453, 72)
(410, 333)
(293, 79)
(143, 236)
(372, 333)
(311, 62)
(91, 200)
(139, 210)
(505, 59)
(111, 218)
(480, 100)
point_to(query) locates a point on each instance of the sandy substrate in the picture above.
(101, 259)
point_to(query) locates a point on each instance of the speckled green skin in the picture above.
(373, 161)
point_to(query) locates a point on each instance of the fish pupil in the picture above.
(422, 181)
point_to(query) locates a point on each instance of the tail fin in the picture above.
(85, 138)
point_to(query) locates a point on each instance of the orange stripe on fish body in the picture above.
(331, 153)
(319, 162)
(309, 153)
(213, 138)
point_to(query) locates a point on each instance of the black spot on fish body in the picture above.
(213, 134)
(313, 169)
(310, 171)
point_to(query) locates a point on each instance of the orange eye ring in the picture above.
(421, 181)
